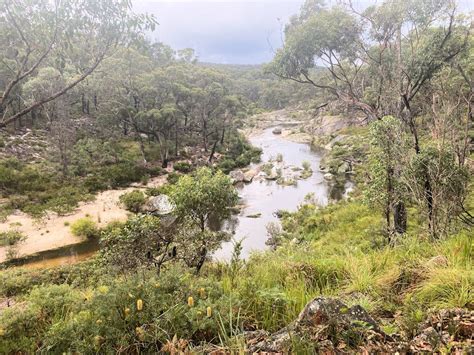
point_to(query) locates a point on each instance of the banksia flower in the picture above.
(2, 332)
(140, 333)
(202, 292)
(139, 305)
(127, 311)
(190, 301)
(98, 340)
(209, 312)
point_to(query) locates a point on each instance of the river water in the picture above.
(263, 198)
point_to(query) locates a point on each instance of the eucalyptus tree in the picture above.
(71, 36)
(377, 61)
(386, 189)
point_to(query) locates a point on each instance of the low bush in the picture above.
(143, 311)
(11, 237)
(182, 166)
(133, 201)
(85, 227)
(172, 178)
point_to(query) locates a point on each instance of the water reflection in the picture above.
(267, 197)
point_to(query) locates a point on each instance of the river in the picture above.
(265, 197)
(261, 198)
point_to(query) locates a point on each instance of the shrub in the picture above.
(95, 183)
(85, 227)
(182, 166)
(11, 237)
(133, 201)
(123, 174)
(173, 178)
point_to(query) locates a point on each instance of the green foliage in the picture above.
(182, 167)
(85, 227)
(106, 317)
(203, 196)
(11, 237)
(448, 183)
(35, 189)
(131, 245)
(239, 154)
(172, 178)
(133, 201)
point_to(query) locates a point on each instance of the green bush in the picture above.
(173, 178)
(123, 174)
(85, 227)
(104, 318)
(133, 201)
(182, 166)
(11, 237)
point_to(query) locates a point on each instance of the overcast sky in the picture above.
(225, 31)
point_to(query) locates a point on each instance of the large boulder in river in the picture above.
(272, 174)
(249, 175)
(236, 176)
(276, 130)
(160, 205)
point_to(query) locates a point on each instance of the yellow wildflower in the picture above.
(98, 340)
(209, 312)
(139, 305)
(99, 321)
(190, 301)
(103, 289)
(140, 333)
(127, 311)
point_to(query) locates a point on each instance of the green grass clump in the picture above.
(133, 201)
(11, 237)
(85, 227)
(182, 166)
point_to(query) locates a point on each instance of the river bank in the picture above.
(53, 231)
(50, 241)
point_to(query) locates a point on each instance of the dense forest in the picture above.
(141, 152)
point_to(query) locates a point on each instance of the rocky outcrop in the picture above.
(453, 329)
(249, 175)
(329, 324)
(160, 205)
(272, 174)
(237, 176)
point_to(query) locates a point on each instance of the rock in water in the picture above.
(236, 176)
(249, 175)
(160, 205)
(328, 176)
(276, 130)
(272, 175)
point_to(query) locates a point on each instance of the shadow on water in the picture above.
(69, 254)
